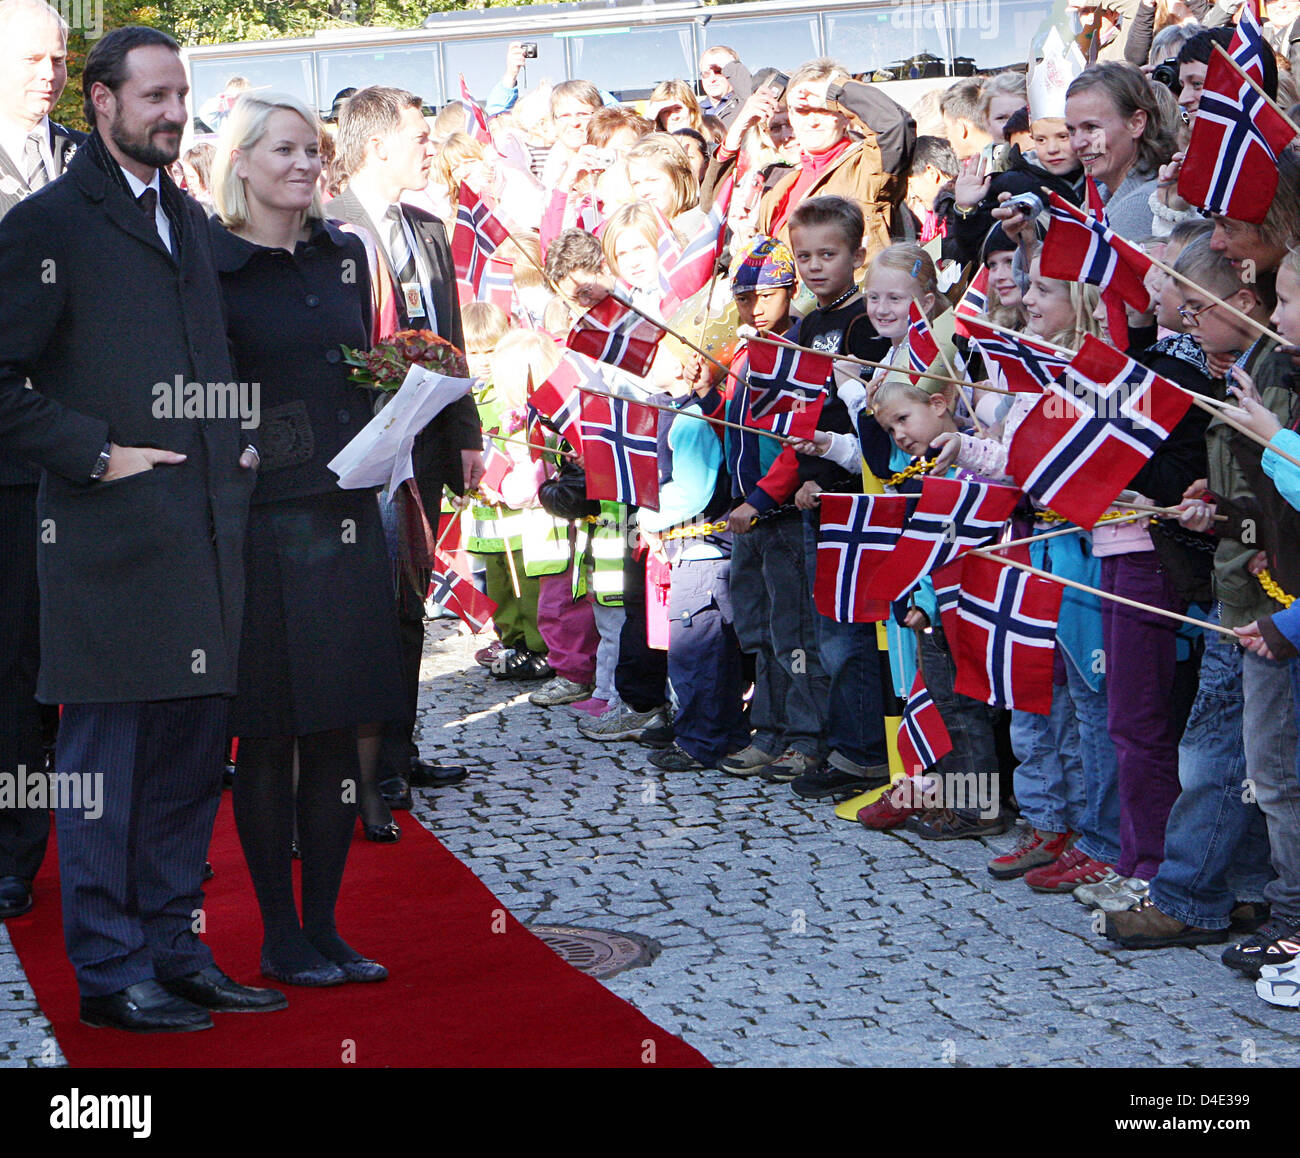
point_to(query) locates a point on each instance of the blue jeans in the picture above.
(1049, 779)
(1099, 823)
(1216, 844)
(850, 657)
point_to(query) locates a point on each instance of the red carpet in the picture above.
(459, 993)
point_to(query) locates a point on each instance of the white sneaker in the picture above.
(559, 691)
(621, 723)
(1280, 985)
(1129, 897)
(1092, 895)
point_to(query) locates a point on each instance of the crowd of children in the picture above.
(1159, 783)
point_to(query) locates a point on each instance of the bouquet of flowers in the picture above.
(384, 366)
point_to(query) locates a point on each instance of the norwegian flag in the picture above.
(1247, 47)
(923, 738)
(947, 589)
(496, 464)
(560, 397)
(475, 119)
(857, 534)
(620, 452)
(1231, 163)
(610, 332)
(974, 302)
(669, 252)
(691, 271)
(1006, 635)
(783, 378)
(1079, 247)
(474, 239)
(951, 517)
(922, 345)
(1027, 366)
(1092, 431)
(1111, 298)
(456, 593)
(498, 284)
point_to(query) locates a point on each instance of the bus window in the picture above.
(412, 67)
(270, 72)
(629, 62)
(903, 40)
(483, 61)
(994, 33)
(783, 42)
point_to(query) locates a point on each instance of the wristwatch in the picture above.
(101, 463)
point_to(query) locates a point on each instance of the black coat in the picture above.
(436, 454)
(63, 144)
(141, 578)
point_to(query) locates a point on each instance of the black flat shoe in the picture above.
(425, 774)
(364, 969)
(383, 833)
(145, 1007)
(318, 978)
(211, 989)
(15, 897)
(396, 792)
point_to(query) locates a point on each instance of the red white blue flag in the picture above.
(496, 464)
(855, 539)
(1006, 635)
(474, 239)
(1080, 247)
(475, 119)
(1247, 48)
(456, 593)
(691, 270)
(610, 332)
(1231, 163)
(923, 738)
(974, 302)
(951, 517)
(1092, 431)
(1027, 366)
(783, 377)
(559, 398)
(922, 345)
(620, 452)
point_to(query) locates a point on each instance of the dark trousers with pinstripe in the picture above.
(132, 876)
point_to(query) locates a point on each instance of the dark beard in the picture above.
(143, 149)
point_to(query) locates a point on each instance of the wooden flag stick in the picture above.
(510, 555)
(985, 553)
(1228, 420)
(1072, 530)
(690, 414)
(533, 446)
(1061, 351)
(451, 522)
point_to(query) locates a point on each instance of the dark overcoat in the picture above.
(141, 578)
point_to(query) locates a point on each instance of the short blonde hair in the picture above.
(663, 152)
(244, 127)
(522, 354)
(684, 95)
(908, 257)
(484, 324)
(455, 150)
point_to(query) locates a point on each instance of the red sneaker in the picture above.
(1071, 870)
(884, 813)
(1035, 850)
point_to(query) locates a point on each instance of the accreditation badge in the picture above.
(414, 299)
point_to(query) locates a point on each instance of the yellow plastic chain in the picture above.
(920, 466)
(1273, 591)
(696, 532)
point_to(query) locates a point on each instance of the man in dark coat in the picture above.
(110, 305)
(33, 151)
(384, 146)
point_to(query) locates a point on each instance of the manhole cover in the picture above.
(597, 952)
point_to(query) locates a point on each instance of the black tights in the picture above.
(326, 810)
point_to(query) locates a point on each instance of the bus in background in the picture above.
(624, 47)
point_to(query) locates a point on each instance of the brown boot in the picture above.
(1146, 927)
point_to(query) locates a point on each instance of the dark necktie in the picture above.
(34, 164)
(148, 201)
(399, 248)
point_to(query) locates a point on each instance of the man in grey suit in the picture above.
(385, 148)
(33, 151)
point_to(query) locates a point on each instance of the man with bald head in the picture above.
(33, 152)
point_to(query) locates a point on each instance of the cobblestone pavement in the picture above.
(790, 938)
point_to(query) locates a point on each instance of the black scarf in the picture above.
(169, 195)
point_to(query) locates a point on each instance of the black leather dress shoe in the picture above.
(145, 1007)
(15, 897)
(383, 833)
(211, 989)
(363, 969)
(396, 792)
(428, 775)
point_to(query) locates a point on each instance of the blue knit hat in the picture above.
(765, 263)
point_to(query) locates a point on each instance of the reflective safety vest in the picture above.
(605, 544)
(547, 544)
(489, 527)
